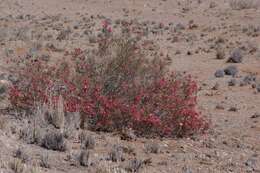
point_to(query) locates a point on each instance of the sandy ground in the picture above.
(189, 32)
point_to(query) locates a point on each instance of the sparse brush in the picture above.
(54, 141)
(152, 147)
(84, 158)
(242, 4)
(220, 53)
(3, 123)
(34, 170)
(134, 165)
(31, 134)
(55, 113)
(17, 166)
(44, 161)
(115, 88)
(88, 142)
(116, 154)
(21, 154)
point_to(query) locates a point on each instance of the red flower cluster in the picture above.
(118, 93)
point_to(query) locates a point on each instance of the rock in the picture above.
(219, 73)
(251, 163)
(232, 82)
(216, 86)
(231, 70)
(220, 106)
(236, 56)
(258, 88)
(189, 53)
(179, 27)
(256, 115)
(233, 109)
(247, 80)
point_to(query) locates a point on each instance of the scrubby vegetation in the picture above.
(243, 4)
(114, 87)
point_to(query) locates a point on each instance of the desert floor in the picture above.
(189, 32)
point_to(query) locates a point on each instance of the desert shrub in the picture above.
(44, 161)
(21, 154)
(54, 141)
(242, 4)
(17, 166)
(116, 154)
(84, 158)
(114, 87)
(152, 147)
(88, 143)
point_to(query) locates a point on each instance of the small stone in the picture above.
(232, 82)
(242, 83)
(179, 27)
(216, 86)
(220, 106)
(236, 56)
(256, 115)
(253, 85)
(233, 109)
(249, 79)
(177, 52)
(258, 88)
(231, 70)
(251, 163)
(219, 73)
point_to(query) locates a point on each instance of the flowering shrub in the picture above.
(115, 88)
